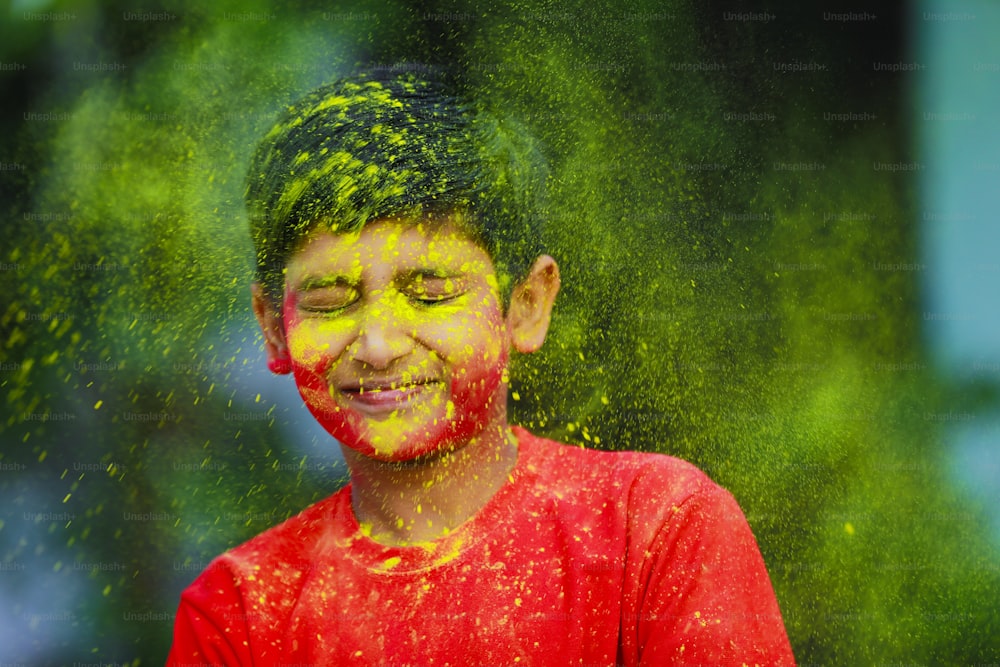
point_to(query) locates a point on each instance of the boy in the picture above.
(397, 266)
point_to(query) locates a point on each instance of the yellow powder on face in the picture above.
(335, 327)
(491, 280)
(391, 248)
(315, 397)
(386, 440)
(305, 348)
(307, 342)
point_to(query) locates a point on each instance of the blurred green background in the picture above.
(737, 207)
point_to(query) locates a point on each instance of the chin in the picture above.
(404, 445)
(394, 440)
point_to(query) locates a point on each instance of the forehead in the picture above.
(387, 246)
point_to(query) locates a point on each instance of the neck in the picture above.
(423, 500)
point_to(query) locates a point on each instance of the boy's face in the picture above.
(396, 337)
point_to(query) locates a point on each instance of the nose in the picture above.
(381, 339)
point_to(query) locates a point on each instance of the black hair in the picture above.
(401, 143)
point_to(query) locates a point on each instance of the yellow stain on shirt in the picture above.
(453, 553)
(390, 563)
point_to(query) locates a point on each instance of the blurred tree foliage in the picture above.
(717, 236)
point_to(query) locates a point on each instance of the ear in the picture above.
(269, 318)
(531, 302)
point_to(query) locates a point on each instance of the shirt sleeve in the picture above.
(211, 623)
(697, 590)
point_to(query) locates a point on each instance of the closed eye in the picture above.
(430, 289)
(323, 310)
(435, 300)
(327, 301)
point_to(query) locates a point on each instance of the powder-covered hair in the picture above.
(397, 143)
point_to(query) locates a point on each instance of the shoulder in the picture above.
(656, 501)
(667, 479)
(286, 547)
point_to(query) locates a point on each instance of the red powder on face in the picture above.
(388, 370)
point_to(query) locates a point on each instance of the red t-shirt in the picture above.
(582, 558)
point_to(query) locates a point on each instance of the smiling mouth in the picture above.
(382, 396)
(384, 385)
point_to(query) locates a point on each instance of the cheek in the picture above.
(311, 359)
(314, 344)
(480, 359)
(313, 354)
